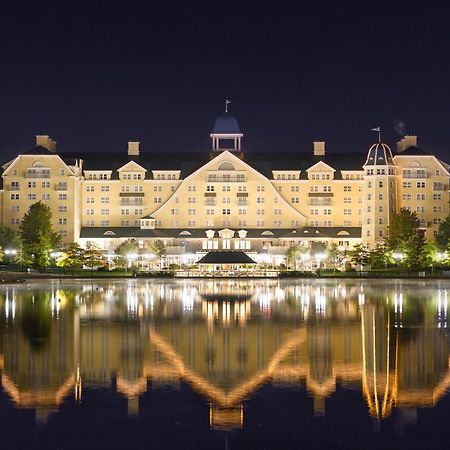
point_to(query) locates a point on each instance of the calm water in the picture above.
(224, 364)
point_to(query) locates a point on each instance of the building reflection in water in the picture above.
(226, 339)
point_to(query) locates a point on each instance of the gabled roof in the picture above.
(226, 257)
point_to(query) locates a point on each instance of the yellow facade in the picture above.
(225, 201)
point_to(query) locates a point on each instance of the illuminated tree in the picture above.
(443, 234)
(359, 255)
(37, 235)
(72, 255)
(291, 254)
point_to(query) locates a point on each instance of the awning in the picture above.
(226, 257)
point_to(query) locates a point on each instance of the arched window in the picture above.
(226, 165)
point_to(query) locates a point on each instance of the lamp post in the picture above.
(10, 253)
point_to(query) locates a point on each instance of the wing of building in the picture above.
(226, 198)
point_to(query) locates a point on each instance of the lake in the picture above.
(228, 364)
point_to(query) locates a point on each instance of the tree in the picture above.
(9, 239)
(291, 254)
(124, 249)
(72, 256)
(360, 255)
(380, 257)
(37, 235)
(443, 234)
(406, 237)
(335, 256)
(429, 255)
(93, 257)
(403, 225)
(159, 249)
(2, 255)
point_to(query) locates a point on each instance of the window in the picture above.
(226, 188)
(314, 212)
(327, 223)
(327, 189)
(104, 212)
(104, 200)
(104, 188)
(157, 200)
(260, 212)
(15, 221)
(226, 200)
(242, 212)
(104, 223)
(277, 223)
(420, 196)
(406, 184)
(380, 184)
(294, 188)
(437, 196)
(242, 188)
(89, 212)
(294, 199)
(380, 196)
(347, 188)
(226, 211)
(32, 196)
(15, 209)
(174, 211)
(62, 209)
(259, 188)
(15, 196)
(406, 196)
(191, 188)
(191, 199)
(62, 196)
(45, 196)
(260, 223)
(380, 209)
(380, 220)
(31, 184)
(192, 211)
(327, 212)
(209, 188)
(260, 200)
(347, 200)
(62, 221)
(90, 188)
(210, 211)
(277, 212)
(347, 212)
(420, 184)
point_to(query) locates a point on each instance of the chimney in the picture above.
(319, 148)
(406, 142)
(133, 148)
(46, 142)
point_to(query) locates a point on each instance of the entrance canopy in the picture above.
(226, 257)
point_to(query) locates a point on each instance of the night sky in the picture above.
(95, 74)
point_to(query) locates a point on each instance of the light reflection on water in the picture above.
(226, 339)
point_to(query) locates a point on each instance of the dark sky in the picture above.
(95, 74)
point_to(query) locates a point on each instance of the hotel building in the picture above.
(226, 198)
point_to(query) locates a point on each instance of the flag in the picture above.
(375, 129)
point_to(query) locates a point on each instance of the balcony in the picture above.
(131, 194)
(438, 187)
(14, 188)
(131, 202)
(415, 175)
(33, 173)
(210, 202)
(61, 187)
(242, 202)
(324, 201)
(226, 179)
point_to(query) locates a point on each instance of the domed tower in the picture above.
(379, 194)
(226, 134)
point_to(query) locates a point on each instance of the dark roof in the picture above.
(226, 257)
(188, 162)
(324, 232)
(120, 232)
(199, 233)
(226, 124)
(38, 150)
(413, 151)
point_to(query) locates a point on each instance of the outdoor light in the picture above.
(398, 256)
(55, 255)
(319, 257)
(10, 252)
(440, 256)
